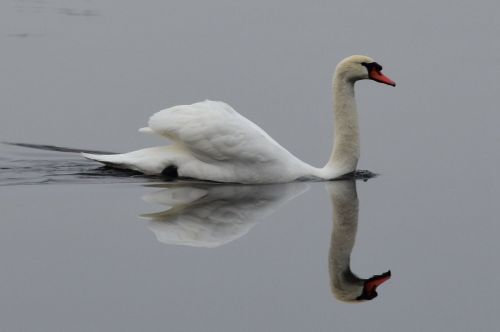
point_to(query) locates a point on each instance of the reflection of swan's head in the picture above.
(210, 215)
(345, 285)
(348, 287)
(360, 67)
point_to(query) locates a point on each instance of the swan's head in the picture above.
(360, 67)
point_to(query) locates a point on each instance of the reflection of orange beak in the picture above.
(375, 281)
(370, 287)
(379, 77)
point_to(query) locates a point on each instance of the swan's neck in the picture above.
(345, 152)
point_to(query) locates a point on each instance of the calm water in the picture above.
(85, 249)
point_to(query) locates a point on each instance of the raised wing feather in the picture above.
(213, 130)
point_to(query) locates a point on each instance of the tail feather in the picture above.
(148, 161)
(112, 160)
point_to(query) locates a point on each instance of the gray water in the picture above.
(82, 249)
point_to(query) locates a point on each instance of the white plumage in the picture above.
(211, 141)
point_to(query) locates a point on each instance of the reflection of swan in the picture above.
(210, 215)
(345, 285)
(214, 142)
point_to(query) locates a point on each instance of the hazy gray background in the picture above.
(89, 74)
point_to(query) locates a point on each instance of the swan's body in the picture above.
(211, 141)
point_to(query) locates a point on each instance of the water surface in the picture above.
(87, 249)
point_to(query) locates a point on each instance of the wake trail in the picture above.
(56, 148)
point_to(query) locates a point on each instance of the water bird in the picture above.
(211, 141)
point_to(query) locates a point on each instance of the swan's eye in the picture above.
(372, 65)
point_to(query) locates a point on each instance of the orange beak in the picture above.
(377, 75)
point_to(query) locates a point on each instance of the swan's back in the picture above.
(213, 130)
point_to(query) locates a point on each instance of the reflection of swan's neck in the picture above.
(345, 152)
(345, 223)
(344, 283)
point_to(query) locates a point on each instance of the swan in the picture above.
(211, 141)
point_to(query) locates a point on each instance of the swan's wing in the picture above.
(213, 130)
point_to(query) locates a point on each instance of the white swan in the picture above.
(211, 141)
